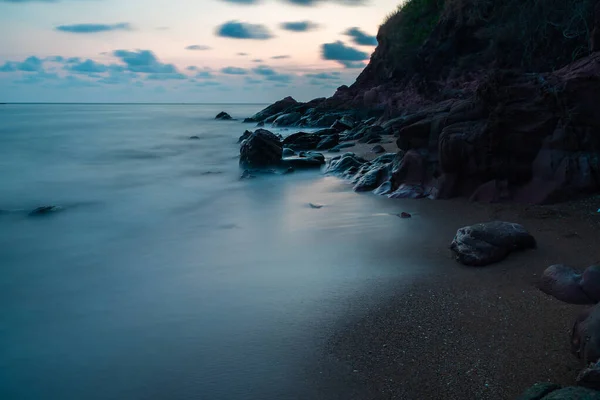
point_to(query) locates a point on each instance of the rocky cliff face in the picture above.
(501, 101)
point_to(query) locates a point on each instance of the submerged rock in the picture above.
(404, 215)
(261, 149)
(45, 210)
(194, 137)
(378, 149)
(223, 116)
(489, 242)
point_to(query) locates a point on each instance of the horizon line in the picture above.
(129, 103)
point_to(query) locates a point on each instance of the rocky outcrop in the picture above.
(274, 109)
(489, 242)
(223, 116)
(261, 149)
(287, 119)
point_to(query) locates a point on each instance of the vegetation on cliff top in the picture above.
(438, 37)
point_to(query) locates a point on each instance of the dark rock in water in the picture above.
(302, 162)
(275, 108)
(370, 138)
(383, 189)
(247, 175)
(489, 242)
(538, 391)
(249, 120)
(287, 119)
(404, 215)
(590, 377)
(45, 210)
(261, 149)
(317, 206)
(378, 149)
(407, 191)
(194, 137)
(313, 154)
(223, 116)
(369, 180)
(572, 286)
(302, 141)
(328, 142)
(344, 163)
(260, 124)
(288, 152)
(244, 136)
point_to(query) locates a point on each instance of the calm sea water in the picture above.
(165, 276)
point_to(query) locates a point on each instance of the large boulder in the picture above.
(572, 286)
(302, 141)
(585, 337)
(287, 119)
(274, 108)
(223, 116)
(261, 149)
(489, 242)
(328, 142)
(304, 161)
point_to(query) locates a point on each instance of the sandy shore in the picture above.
(461, 332)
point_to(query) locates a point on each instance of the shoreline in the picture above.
(471, 332)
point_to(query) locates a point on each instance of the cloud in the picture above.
(242, 54)
(192, 68)
(245, 2)
(73, 60)
(94, 28)
(166, 77)
(234, 71)
(299, 26)
(37, 78)
(257, 60)
(144, 61)
(353, 64)
(204, 75)
(208, 83)
(117, 78)
(280, 57)
(312, 3)
(88, 67)
(324, 76)
(345, 55)
(197, 47)
(252, 81)
(55, 59)
(30, 64)
(361, 38)
(242, 30)
(271, 75)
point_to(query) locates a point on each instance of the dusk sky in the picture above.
(183, 50)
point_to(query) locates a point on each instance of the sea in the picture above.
(163, 275)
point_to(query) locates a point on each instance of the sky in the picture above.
(196, 51)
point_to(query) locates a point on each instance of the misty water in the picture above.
(165, 276)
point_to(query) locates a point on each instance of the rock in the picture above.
(404, 215)
(287, 119)
(244, 136)
(538, 391)
(342, 164)
(194, 137)
(566, 284)
(288, 152)
(223, 116)
(302, 141)
(370, 180)
(45, 210)
(342, 124)
(384, 189)
(407, 191)
(312, 154)
(378, 149)
(261, 149)
(249, 120)
(247, 175)
(302, 162)
(573, 393)
(489, 242)
(590, 377)
(370, 138)
(274, 108)
(260, 124)
(342, 146)
(328, 142)
(317, 206)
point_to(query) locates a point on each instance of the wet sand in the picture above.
(460, 332)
